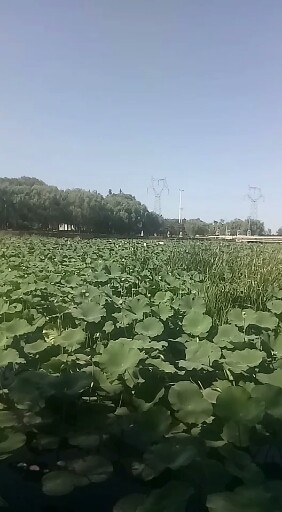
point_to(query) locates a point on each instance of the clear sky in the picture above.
(104, 94)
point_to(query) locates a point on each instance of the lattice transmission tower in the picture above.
(158, 186)
(254, 196)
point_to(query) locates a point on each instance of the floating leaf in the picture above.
(196, 323)
(148, 426)
(274, 378)
(235, 404)
(90, 312)
(109, 327)
(162, 365)
(243, 499)
(173, 452)
(241, 360)
(266, 320)
(16, 327)
(164, 311)
(58, 483)
(276, 345)
(4, 306)
(275, 306)
(200, 354)
(95, 468)
(187, 399)
(70, 339)
(118, 357)
(124, 318)
(7, 419)
(227, 334)
(250, 317)
(240, 464)
(272, 398)
(139, 305)
(162, 297)
(235, 316)
(150, 327)
(37, 346)
(10, 355)
(13, 441)
(236, 434)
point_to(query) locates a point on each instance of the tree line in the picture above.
(30, 204)
(197, 227)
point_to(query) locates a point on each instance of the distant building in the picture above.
(66, 227)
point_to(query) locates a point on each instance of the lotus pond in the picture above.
(158, 363)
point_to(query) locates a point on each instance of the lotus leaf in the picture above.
(196, 323)
(151, 327)
(187, 399)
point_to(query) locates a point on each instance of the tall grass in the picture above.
(234, 275)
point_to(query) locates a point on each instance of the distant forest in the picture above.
(30, 204)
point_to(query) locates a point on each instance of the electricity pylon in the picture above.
(158, 186)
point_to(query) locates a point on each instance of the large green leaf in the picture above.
(276, 345)
(187, 399)
(89, 311)
(200, 354)
(262, 319)
(95, 468)
(58, 483)
(243, 499)
(240, 464)
(235, 404)
(164, 311)
(37, 346)
(70, 339)
(8, 419)
(236, 433)
(235, 316)
(118, 357)
(228, 334)
(241, 360)
(275, 306)
(162, 365)
(274, 378)
(10, 355)
(124, 318)
(16, 327)
(173, 452)
(266, 320)
(139, 306)
(162, 297)
(151, 327)
(272, 398)
(148, 426)
(32, 387)
(12, 441)
(196, 323)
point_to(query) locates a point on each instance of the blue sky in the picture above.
(104, 94)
